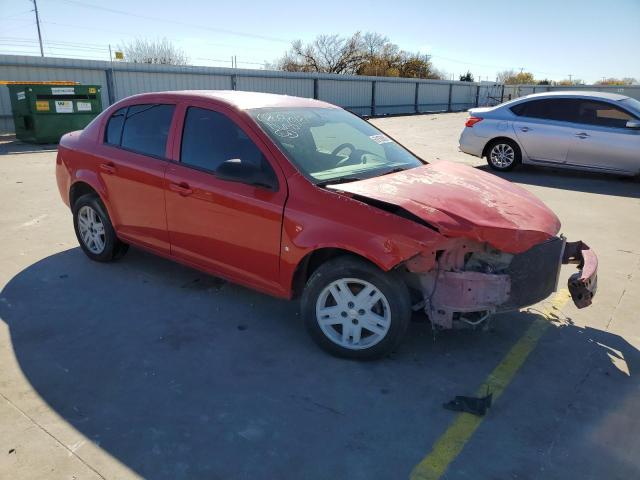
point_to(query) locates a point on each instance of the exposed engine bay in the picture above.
(468, 281)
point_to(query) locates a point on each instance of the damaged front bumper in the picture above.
(468, 281)
(584, 283)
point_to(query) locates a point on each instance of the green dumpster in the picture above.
(43, 113)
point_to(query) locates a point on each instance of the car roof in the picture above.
(616, 97)
(239, 99)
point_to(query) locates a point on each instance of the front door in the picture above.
(229, 227)
(602, 141)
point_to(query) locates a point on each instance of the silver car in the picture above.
(580, 130)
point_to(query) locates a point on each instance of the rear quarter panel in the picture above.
(498, 123)
(75, 163)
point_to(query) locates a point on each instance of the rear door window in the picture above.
(145, 129)
(602, 114)
(558, 109)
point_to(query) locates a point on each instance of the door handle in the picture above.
(182, 188)
(524, 129)
(582, 135)
(109, 168)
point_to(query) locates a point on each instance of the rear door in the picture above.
(543, 128)
(601, 139)
(229, 227)
(132, 164)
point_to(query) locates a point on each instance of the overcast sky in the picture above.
(552, 39)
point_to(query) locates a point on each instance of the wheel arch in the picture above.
(313, 259)
(86, 181)
(489, 144)
(78, 189)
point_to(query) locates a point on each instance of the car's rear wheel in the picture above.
(503, 155)
(94, 230)
(353, 309)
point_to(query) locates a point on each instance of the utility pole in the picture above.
(35, 4)
(570, 81)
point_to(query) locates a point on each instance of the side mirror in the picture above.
(633, 124)
(235, 170)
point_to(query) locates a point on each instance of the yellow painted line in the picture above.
(451, 443)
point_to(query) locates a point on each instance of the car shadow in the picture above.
(603, 184)
(180, 375)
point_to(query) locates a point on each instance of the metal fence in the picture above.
(360, 94)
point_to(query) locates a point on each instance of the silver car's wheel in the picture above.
(502, 155)
(91, 230)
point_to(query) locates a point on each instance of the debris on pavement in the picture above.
(475, 405)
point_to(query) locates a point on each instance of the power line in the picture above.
(52, 42)
(56, 45)
(177, 22)
(14, 27)
(6, 17)
(119, 32)
(465, 62)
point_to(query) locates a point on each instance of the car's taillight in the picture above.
(471, 121)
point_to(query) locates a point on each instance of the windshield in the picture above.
(330, 144)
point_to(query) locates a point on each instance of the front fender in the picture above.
(332, 220)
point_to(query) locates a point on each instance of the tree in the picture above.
(369, 54)
(327, 54)
(416, 65)
(510, 77)
(161, 52)
(617, 81)
(546, 81)
(568, 82)
(467, 77)
(373, 43)
(383, 59)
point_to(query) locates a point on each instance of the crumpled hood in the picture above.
(461, 201)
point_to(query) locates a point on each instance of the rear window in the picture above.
(114, 127)
(519, 109)
(141, 128)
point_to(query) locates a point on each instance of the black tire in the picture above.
(496, 164)
(389, 284)
(113, 247)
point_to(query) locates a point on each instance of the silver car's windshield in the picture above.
(330, 144)
(631, 103)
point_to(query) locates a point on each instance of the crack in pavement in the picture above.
(71, 451)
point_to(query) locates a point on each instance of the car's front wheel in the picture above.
(503, 155)
(94, 230)
(353, 309)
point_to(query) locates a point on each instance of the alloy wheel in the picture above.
(502, 155)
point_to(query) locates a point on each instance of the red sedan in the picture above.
(298, 198)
